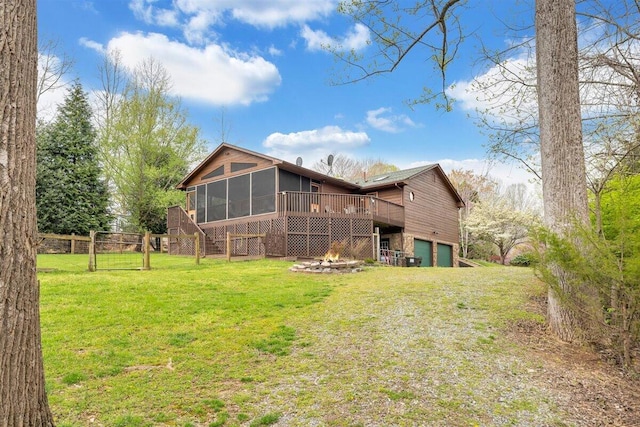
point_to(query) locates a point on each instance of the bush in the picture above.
(524, 260)
(599, 283)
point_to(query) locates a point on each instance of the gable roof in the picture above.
(385, 180)
(402, 177)
(396, 177)
(274, 161)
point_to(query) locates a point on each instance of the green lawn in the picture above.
(249, 343)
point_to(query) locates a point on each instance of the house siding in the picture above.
(310, 230)
(225, 158)
(330, 188)
(433, 214)
(393, 195)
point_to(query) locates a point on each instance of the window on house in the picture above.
(216, 172)
(191, 199)
(305, 183)
(244, 195)
(236, 167)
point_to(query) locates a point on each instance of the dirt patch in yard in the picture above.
(591, 390)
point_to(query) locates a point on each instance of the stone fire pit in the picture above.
(327, 267)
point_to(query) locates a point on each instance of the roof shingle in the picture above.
(392, 177)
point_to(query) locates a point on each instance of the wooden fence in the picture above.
(49, 243)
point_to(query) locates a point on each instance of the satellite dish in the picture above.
(330, 160)
(299, 161)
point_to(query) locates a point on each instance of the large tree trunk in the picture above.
(562, 154)
(23, 401)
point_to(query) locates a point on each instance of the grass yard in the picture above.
(251, 344)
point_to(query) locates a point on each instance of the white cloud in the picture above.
(142, 10)
(167, 18)
(48, 103)
(356, 39)
(213, 74)
(381, 119)
(316, 40)
(196, 30)
(275, 13)
(274, 51)
(93, 45)
(145, 11)
(314, 143)
(198, 16)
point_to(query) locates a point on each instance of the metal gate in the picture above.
(117, 251)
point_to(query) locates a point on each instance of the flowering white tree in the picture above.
(499, 221)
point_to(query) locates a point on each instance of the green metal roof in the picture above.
(392, 177)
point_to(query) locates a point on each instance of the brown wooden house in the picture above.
(302, 212)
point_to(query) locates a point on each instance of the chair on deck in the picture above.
(350, 209)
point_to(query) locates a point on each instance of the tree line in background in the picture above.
(122, 161)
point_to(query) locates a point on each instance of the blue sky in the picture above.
(261, 61)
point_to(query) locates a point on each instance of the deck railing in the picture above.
(340, 206)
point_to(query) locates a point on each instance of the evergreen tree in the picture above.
(71, 197)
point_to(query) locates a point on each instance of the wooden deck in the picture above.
(303, 224)
(293, 203)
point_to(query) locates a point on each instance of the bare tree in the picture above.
(52, 67)
(224, 127)
(609, 90)
(23, 401)
(113, 76)
(346, 167)
(438, 31)
(340, 165)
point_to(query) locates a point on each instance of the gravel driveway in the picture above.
(429, 347)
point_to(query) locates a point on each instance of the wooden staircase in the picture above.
(179, 222)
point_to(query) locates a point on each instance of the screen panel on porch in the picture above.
(236, 197)
(201, 203)
(217, 200)
(239, 196)
(263, 192)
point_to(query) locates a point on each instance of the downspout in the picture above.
(402, 232)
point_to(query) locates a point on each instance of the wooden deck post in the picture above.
(92, 251)
(197, 246)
